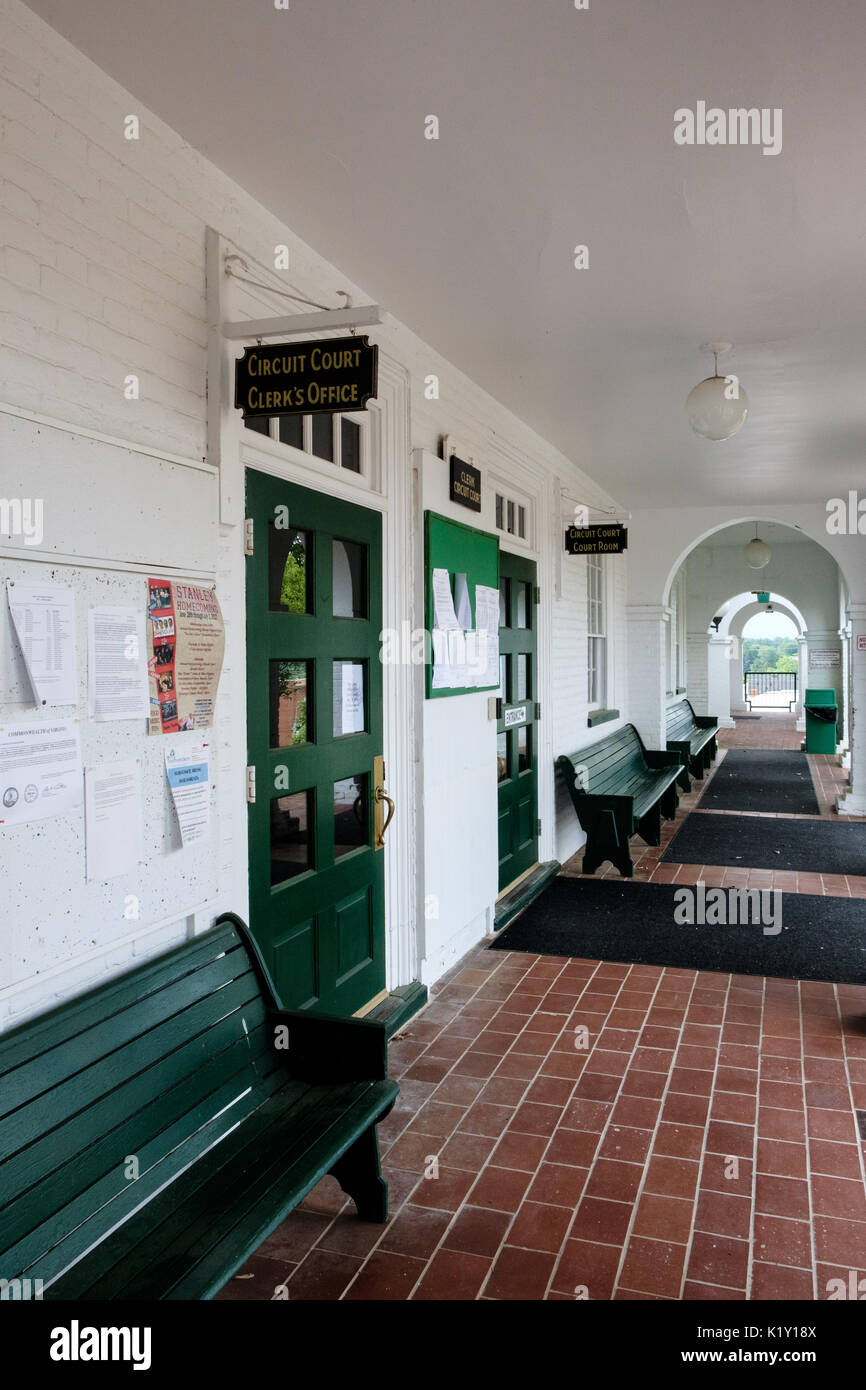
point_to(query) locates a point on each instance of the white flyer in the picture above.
(463, 604)
(117, 683)
(444, 616)
(40, 769)
(187, 766)
(43, 615)
(113, 818)
(352, 698)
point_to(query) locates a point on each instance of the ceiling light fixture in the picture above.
(718, 405)
(757, 552)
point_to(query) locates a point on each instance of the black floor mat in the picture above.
(602, 919)
(762, 779)
(756, 842)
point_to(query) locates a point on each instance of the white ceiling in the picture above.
(557, 129)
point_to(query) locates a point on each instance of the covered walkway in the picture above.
(705, 1145)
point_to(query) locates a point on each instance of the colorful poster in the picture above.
(186, 643)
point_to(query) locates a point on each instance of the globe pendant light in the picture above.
(718, 405)
(757, 552)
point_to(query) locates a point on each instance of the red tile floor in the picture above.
(703, 1145)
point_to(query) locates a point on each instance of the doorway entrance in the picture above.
(516, 729)
(314, 740)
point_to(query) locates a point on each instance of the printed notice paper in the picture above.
(116, 664)
(40, 769)
(43, 615)
(463, 604)
(187, 769)
(444, 616)
(113, 819)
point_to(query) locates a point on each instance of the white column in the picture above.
(720, 655)
(802, 679)
(647, 675)
(853, 802)
(844, 746)
(737, 698)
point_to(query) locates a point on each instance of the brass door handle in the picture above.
(380, 796)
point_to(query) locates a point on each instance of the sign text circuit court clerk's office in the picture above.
(331, 374)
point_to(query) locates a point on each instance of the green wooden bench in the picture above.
(155, 1130)
(618, 789)
(693, 736)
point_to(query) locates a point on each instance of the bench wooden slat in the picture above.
(68, 1183)
(180, 1232)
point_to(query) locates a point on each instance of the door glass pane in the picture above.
(291, 848)
(522, 692)
(292, 430)
(350, 445)
(503, 677)
(503, 755)
(350, 696)
(524, 748)
(522, 596)
(350, 579)
(289, 566)
(504, 614)
(323, 437)
(260, 423)
(289, 703)
(350, 814)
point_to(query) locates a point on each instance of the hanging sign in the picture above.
(611, 539)
(465, 484)
(330, 374)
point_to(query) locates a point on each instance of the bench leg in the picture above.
(684, 779)
(669, 802)
(604, 841)
(649, 827)
(360, 1175)
(699, 765)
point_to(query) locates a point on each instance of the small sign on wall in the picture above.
(513, 717)
(465, 484)
(821, 659)
(596, 540)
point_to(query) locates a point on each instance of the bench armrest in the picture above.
(322, 1047)
(657, 759)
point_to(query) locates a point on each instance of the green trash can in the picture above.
(820, 707)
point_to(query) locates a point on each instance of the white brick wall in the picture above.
(102, 275)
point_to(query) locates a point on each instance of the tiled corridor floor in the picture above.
(699, 1140)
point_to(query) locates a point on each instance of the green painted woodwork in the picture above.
(518, 657)
(693, 737)
(322, 930)
(459, 549)
(152, 1134)
(618, 789)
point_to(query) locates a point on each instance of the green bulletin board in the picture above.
(459, 549)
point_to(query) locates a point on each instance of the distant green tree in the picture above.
(293, 593)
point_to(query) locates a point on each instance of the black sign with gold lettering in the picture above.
(465, 484)
(611, 539)
(331, 374)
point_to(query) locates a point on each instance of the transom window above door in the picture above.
(337, 439)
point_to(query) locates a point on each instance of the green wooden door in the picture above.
(516, 751)
(314, 735)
